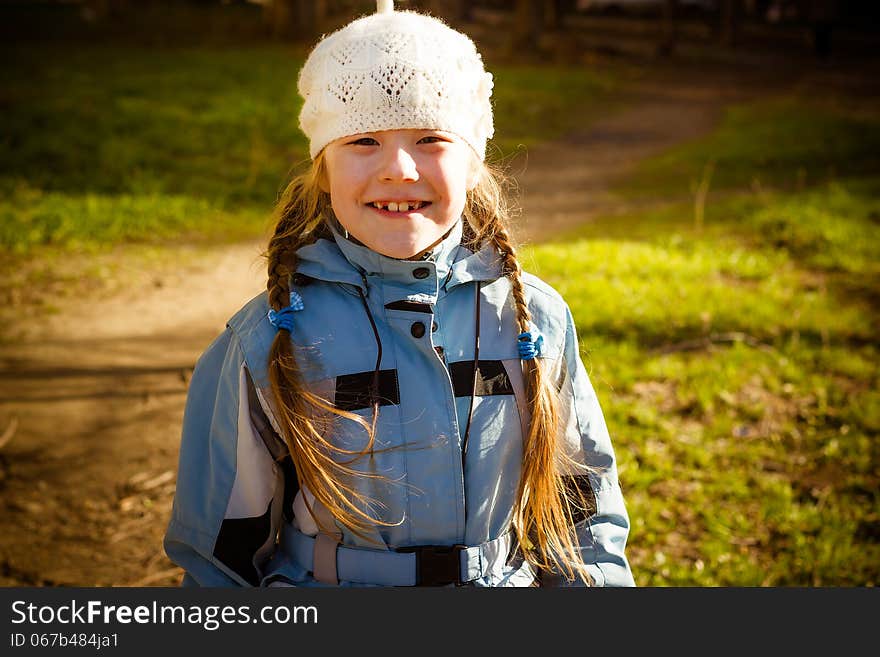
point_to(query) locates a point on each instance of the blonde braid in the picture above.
(304, 418)
(546, 506)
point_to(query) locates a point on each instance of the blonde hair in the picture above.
(543, 518)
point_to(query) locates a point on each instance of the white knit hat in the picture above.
(391, 70)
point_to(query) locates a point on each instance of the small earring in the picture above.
(345, 230)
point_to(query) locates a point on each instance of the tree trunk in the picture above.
(730, 18)
(526, 29)
(294, 18)
(96, 11)
(452, 11)
(670, 28)
(320, 12)
(822, 15)
(275, 16)
(552, 12)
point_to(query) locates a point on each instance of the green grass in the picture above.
(534, 104)
(737, 360)
(106, 144)
(790, 142)
(167, 137)
(735, 357)
(30, 217)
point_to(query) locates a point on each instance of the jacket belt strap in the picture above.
(324, 559)
(389, 568)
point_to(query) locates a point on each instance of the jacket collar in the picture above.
(341, 260)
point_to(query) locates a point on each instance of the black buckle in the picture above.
(437, 565)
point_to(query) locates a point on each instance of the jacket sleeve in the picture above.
(229, 495)
(603, 530)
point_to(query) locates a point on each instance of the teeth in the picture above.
(403, 206)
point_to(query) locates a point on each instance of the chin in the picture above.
(400, 250)
(400, 253)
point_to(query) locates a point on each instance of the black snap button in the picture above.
(417, 329)
(421, 272)
(434, 326)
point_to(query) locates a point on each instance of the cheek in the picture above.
(343, 177)
(345, 194)
(454, 179)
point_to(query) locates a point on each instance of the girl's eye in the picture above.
(432, 139)
(365, 141)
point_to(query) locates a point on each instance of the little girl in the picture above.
(404, 406)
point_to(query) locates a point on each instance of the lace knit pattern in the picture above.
(393, 70)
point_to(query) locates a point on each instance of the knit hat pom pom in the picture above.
(384, 6)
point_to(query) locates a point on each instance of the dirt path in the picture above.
(93, 397)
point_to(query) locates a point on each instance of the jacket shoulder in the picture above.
(255, 335)
(543, 291)
(549, 312)
(250, 315)
(544, 301)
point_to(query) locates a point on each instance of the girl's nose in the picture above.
(399, 165)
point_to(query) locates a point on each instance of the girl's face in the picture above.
(399, 191)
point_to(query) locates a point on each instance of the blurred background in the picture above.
(698, 178)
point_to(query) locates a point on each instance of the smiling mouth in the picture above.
(398, 206)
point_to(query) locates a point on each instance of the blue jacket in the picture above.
(234, 519)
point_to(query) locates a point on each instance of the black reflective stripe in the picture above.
(238, 542)
(492, 378)
(353, 390)
(276, 446)
(291, 486)
(274, 443)
(411, 306)
(583, 499)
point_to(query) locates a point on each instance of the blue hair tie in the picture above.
(283, 319)
(529, 348)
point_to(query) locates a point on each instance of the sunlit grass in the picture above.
(212, 124)
(735, 356)
(737, 364)
(30, 217)
(793, 142)
(108, 144)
